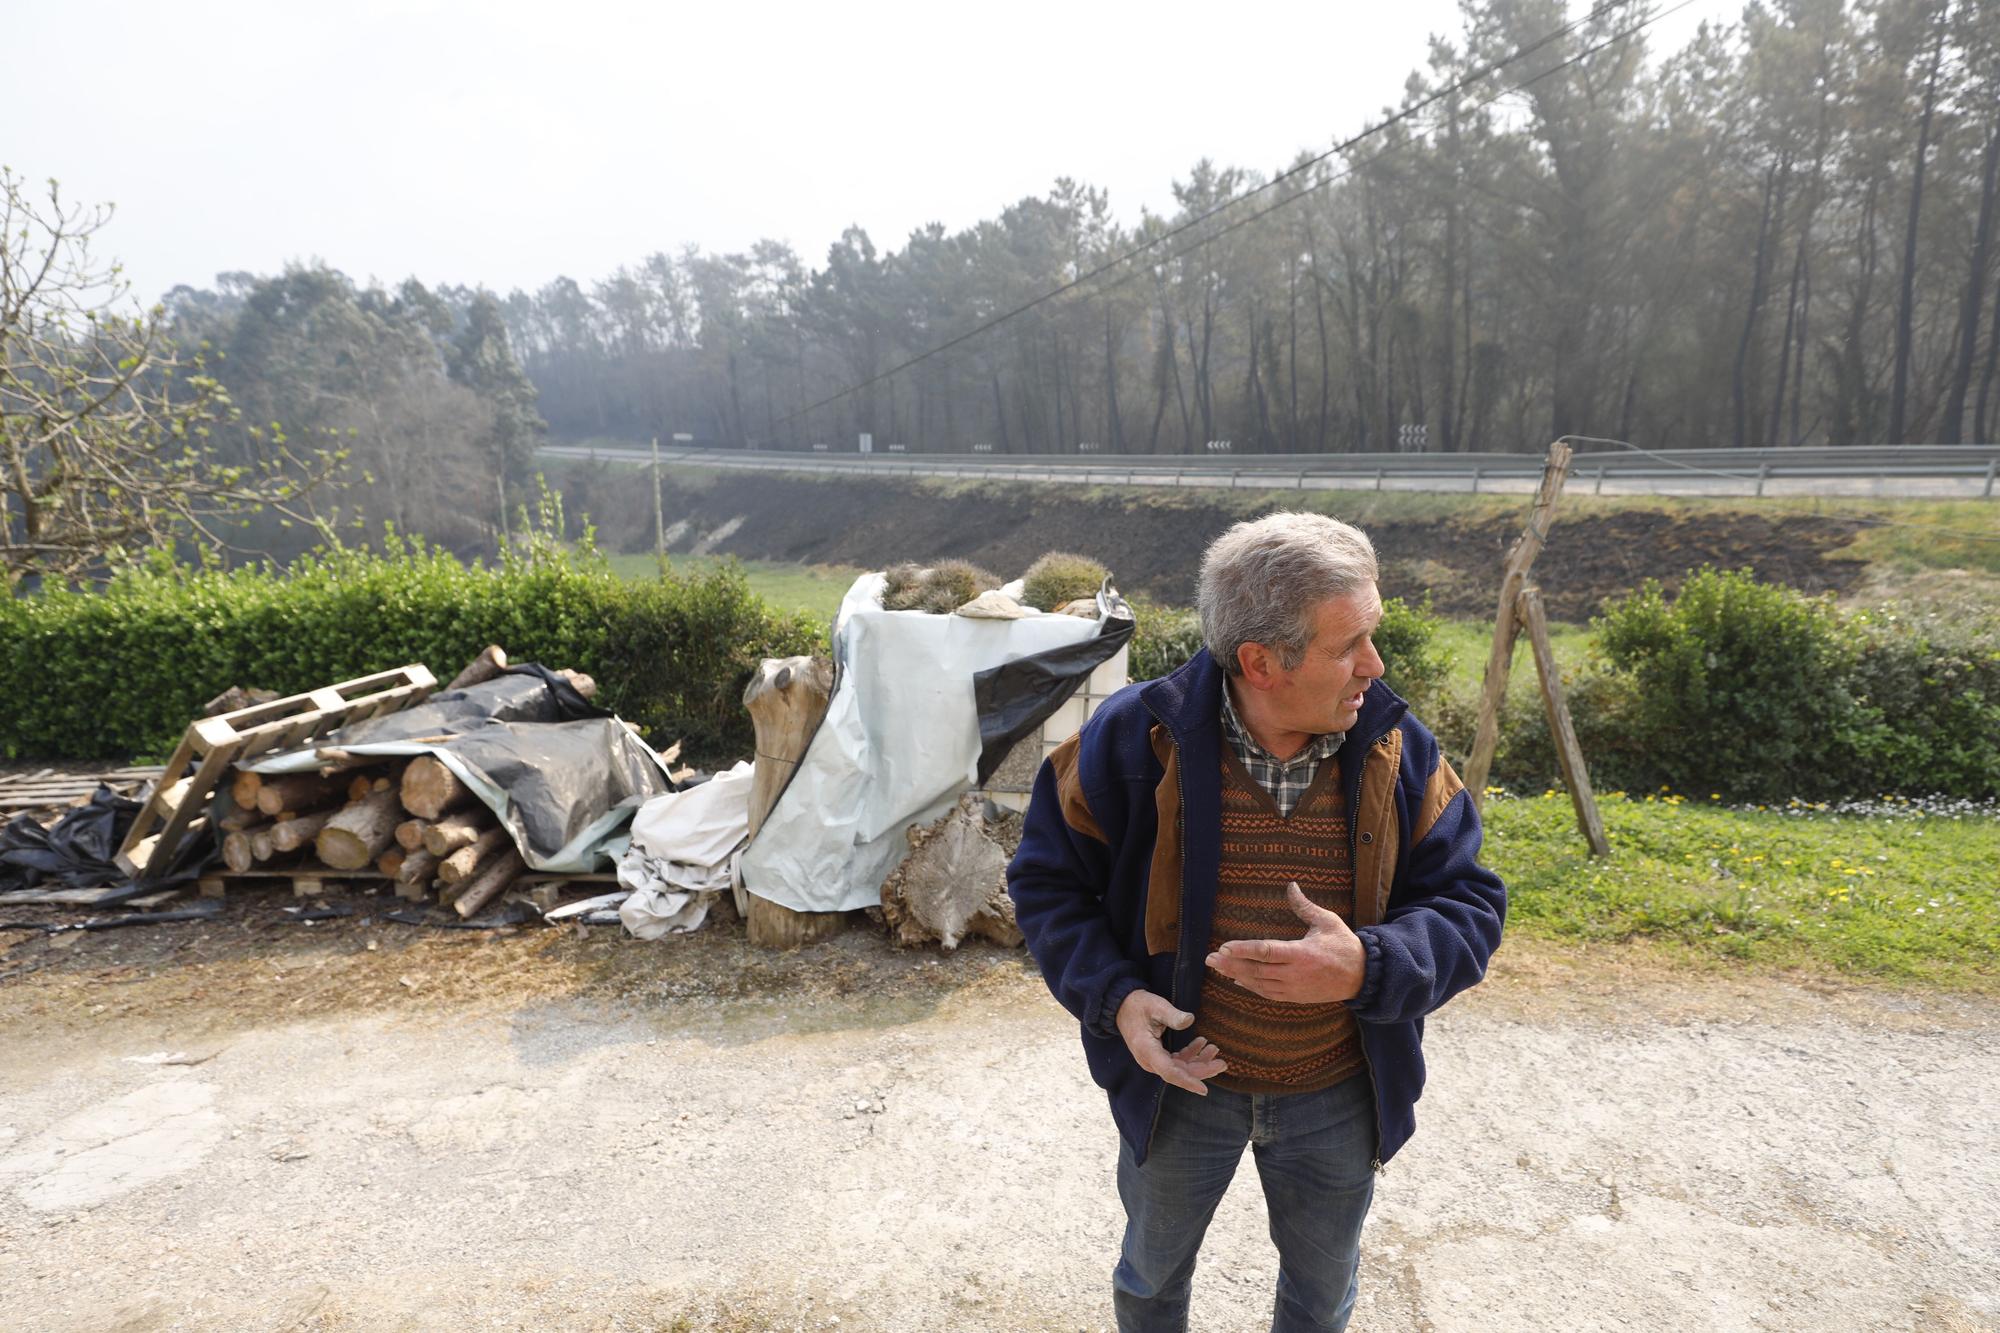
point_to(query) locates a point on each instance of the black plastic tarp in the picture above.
(562, 774)
(78, 850)
(1016, 697)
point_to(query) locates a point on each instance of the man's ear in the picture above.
(1255, 664)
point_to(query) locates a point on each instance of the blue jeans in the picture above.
(1314, 1152)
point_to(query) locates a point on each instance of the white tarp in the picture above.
(899, 744)
(684, 850)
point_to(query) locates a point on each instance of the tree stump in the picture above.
(786, 698)
(952, 885)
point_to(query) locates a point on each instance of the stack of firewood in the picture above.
(410, 820)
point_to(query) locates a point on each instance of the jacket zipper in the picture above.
(1174, 988)
(1353, 833)
(1354, 858)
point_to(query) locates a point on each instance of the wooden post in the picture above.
(786, 698)
(1576, 776)
(1513, 577)
(659, 516)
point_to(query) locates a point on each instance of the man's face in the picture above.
(1323, 692)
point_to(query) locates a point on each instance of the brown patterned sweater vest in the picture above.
(1271, 1046)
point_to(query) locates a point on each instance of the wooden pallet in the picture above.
(51, 789)
(213, 744)
(312, 882)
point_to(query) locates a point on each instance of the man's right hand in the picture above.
(1142, 1018)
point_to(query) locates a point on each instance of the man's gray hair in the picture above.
(1263, 581)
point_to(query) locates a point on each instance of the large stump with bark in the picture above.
(786, 698)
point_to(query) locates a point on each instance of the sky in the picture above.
(503, 144)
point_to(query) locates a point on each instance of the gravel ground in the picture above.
(330, 1137)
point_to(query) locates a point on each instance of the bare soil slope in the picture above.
(1152, 539)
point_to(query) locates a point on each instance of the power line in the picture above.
(1407, 113)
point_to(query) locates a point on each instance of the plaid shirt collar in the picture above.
(1286, 779)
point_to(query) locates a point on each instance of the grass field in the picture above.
(1469, 641)
(813, 589)
(1890, 891)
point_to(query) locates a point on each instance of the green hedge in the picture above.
(1745, 690)
(118, 673)
(1754, 692)
(1733, 688)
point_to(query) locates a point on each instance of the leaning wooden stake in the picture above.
(1513, 578)
(1576, 776)
(786, 698)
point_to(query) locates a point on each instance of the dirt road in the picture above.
(375, 1131)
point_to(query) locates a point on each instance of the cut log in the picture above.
(296, 791)
(383, 784)
(356, 834)
(585, 685)
(244, 789)
(390, 862)
(786, 698)
(236, 853)
(410, 834)
(430, 790)
(449, 834)
(484, 667)
(262, 848)
(467, 861)
(291, 834)
(229, 815)
(490, 883)
(418, 867)
(360, 786)
(239, 819)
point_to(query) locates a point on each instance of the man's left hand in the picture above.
(1324, 967)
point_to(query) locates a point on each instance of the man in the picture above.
(1249, 881)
